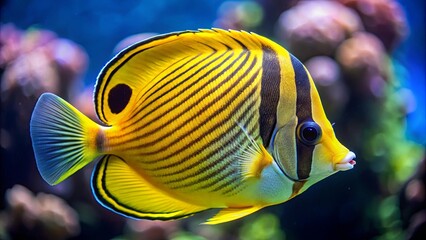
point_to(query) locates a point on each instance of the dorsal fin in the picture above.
(133, 74)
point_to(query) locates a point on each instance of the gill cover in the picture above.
(285, 149)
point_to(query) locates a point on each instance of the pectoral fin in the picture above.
(230, 214)
(254, 158)
(123, 190)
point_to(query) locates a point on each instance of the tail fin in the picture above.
(64, 139)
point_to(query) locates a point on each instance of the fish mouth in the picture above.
(346, 163)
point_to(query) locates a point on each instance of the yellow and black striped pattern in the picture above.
(193, 97)
(194, 120)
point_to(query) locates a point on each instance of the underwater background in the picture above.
(367, 58)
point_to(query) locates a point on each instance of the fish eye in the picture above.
(309, 133)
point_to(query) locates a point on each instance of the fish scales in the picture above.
(176, 114)
(179, 111)
(198, 139)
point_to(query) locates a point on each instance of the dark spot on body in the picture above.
(119, 97)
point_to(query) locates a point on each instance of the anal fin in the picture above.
(230, 214)
(121, 189)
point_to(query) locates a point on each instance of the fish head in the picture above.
(310, 151)
(329, 155)
(307, 149)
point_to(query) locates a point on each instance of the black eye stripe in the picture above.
(304, 152)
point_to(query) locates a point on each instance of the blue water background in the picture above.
(413, 57)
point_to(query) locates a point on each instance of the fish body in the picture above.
(192, 121)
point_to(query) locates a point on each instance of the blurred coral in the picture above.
(363, 60)
(326, 73)
(37, 61)
(32, 62)
(383, 18)
(313, 28)
(44, 216)
(272, 10)
(412, 202)
(150, 230)
(9, 40)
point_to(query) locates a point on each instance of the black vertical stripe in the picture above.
(303, 90)
(303, 113)
(269, 94)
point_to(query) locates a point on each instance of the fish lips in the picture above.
(346, 163)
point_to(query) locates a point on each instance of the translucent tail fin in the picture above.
(64, 139)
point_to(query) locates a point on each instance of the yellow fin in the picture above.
(121, 189)
(230, 214)
(254, 158)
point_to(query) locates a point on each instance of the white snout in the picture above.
(346, 163)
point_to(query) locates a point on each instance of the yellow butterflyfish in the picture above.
(192, 121)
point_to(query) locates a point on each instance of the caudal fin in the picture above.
(64, 139)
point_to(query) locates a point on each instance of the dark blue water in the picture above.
(412, 54)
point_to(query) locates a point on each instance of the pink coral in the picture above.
(314, 28)
(383, 18)
(37, 61)
(363, 59)
(44, 214)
